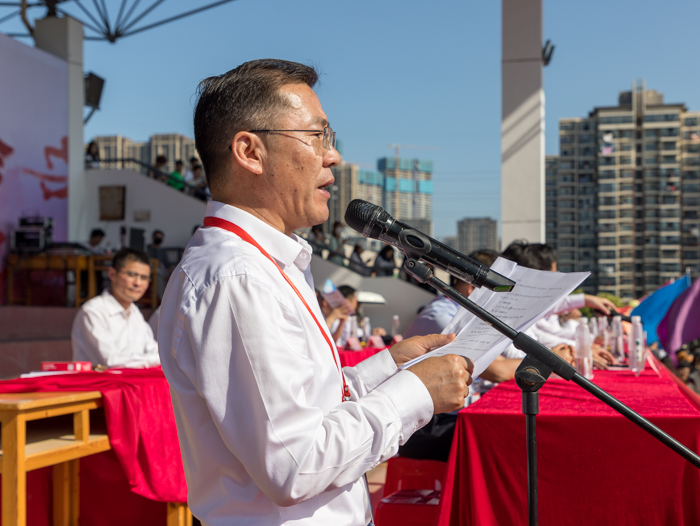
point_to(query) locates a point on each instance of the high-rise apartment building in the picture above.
(409, 200)
(475, 233)
(623, 196)
(172, 145)
(352, 182)
(408, 190)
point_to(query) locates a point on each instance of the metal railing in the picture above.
(152, 172)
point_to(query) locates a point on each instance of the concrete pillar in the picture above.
(63, 37)
(522, 123)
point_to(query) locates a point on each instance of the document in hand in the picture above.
(536, 294)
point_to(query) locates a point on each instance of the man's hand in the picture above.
(600, 304)
(407, 350)
(565, 352)
(602, 356)
(447, 379)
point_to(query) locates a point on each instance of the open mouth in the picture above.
(325, 187)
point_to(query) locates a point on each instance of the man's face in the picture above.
(129, 283)
(297, 167)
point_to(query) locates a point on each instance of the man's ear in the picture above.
(248, 151)
(111, 273)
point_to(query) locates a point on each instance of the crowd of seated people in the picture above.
(434, 440)
(191, 180)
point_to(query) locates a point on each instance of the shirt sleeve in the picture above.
(574, 301)
(255, 372)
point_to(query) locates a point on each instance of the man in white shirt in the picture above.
(267, 431)
(109, 329)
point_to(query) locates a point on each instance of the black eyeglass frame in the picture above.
(328, 135)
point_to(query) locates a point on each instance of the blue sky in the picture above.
(419, 73)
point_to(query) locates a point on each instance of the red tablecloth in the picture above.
(594, 466)
(352, 358)
(142, 432)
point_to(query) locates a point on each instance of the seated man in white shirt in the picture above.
(271, 429)
(109, 329)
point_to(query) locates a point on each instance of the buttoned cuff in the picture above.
(375, 370)
(411, 399)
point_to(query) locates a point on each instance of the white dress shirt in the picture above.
(106, 333)
(264, 436)
(433, 318)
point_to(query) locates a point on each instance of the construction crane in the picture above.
(397, 148)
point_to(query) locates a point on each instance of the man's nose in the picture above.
(331, 158)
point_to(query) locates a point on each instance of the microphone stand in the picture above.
(531, 375)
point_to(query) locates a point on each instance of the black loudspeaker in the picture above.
(93, 90)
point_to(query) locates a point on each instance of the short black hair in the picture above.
(538, 256)
(161, 159)
(157, 232)
(97, 232)
(245, 98)
(178, 162)
(347, 291)
(129, 254)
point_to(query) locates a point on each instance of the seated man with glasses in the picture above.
(109, 329)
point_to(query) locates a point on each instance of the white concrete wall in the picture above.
(522, 123)
(171, 211)
(402, 298)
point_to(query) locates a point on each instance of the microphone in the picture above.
(373, 221)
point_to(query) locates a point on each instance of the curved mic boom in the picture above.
(375, 222)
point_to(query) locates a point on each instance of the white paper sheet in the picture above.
(534, 295)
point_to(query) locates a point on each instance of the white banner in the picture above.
(33, 140)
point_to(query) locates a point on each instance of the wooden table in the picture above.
(78, 263)
(25, 448)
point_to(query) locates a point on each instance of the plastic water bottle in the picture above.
(636, 346)
(617, 344)
(604, 331)
(593, 328)
(395, 324)
(352, 320)
(366, 329)
(582, 352)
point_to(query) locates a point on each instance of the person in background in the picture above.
(336, 243)
(155, 251)
(109, 329)
(356, 264)
(333, 315)
(689, 375)
(94, 244)
(160, 169)
(384, 263)
(318, 240)
(177, 178)
(548, 330)
(439, 312)
(189, 174)
(92, 156)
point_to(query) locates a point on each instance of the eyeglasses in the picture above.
(328, 135)
(133, 275)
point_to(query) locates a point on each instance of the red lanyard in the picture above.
(231, 227)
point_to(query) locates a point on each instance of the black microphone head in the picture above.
(359, 213)
(362, 216)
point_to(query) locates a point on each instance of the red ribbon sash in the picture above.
(231, 227)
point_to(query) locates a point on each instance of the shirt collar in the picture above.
(288, 250)
(114, 307)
